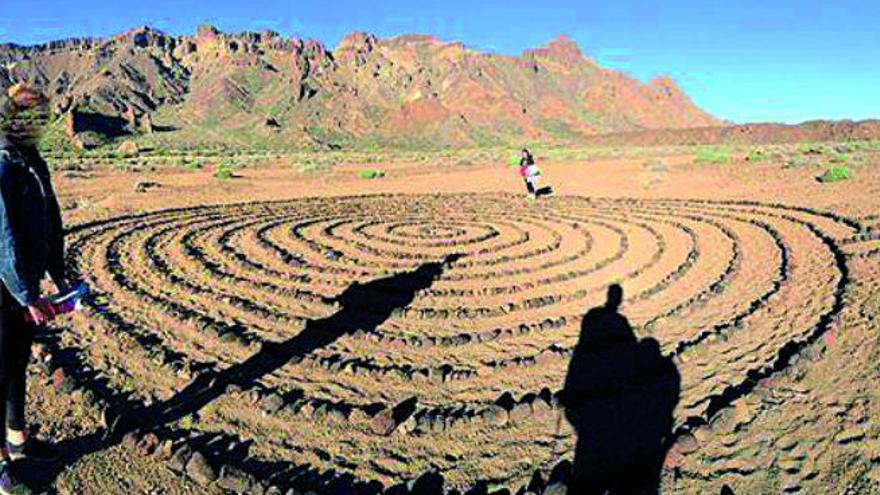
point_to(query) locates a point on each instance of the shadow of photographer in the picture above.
(619, 396)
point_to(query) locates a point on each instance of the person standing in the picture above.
(528, 171)
(31, 245)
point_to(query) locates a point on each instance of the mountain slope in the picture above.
(404, 91)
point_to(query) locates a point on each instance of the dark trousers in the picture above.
(529, 186)
(16, 337)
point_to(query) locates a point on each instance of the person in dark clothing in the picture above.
(31, 245)
(619, 396)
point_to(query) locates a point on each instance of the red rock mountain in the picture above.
(410, 91)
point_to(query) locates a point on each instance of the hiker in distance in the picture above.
(531, 174)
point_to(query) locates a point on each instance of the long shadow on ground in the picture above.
(364, 307)
(619, 397)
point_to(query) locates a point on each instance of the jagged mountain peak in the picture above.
(406, 90)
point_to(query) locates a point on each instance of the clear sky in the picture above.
(744, 61)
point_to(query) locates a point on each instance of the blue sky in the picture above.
(744, 61)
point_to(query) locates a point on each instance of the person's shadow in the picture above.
(362, 307)
(619, 397)
(544, 191)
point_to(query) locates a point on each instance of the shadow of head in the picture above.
(452, 258)
(614, 297)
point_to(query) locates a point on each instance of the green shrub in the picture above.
(713, 156)
(513, 160)
(371, 173)
(224, 171)
(757, 155)
(836, 174)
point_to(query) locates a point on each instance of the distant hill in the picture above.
(406, 91)
(755, 134)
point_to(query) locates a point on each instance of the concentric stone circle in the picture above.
(729, 289)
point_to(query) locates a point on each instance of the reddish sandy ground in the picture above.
(758, 281)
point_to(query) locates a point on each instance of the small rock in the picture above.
(143, 186)
(62, 382)
(180, 457)
(148, 443)
(495, 415)
(383, 423)
(130, 440)
(199, 470)
(520, 411)
(687, 443)
(128, 149)
(165, 449)
(389, 419)
(338, 414)
(40, 352)
(235, 480)
(272, 403)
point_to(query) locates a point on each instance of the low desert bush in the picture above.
(224, 170)
(371, 173)
(836, 174)
(712, 156)
(757, 155)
